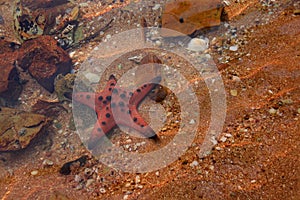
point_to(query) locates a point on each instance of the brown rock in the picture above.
(17, 129)
(44, 60)
(188, 16)
(10, 87)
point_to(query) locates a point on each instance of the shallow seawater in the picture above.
(98, 100)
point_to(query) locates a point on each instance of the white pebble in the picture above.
(192, 121)
(194, 163)
(35, 172)
(197, 45)
(223, 139)
(156, 7)
(234, 48)
(102, 190)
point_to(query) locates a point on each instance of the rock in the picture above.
(233, 48)
(10, 87)
(34, 173)
(198, 45)
(17, 129)
(44, 60)
(194, 163)
(234, 93)
(188, 16)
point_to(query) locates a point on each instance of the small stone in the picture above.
(102, 190)
(192, 121)
(194, 163)
(218, 148)
(34, 173)
(272, 111)
(198, 45)
(47, 162)
(298, 110)
(125, 196)
(233, 48)
(77, 178)
(233, 93)
(127, 185)
(228, 135)
(158, 43)
(156, 7)
(89, 182)
(223, 139)
(236, 79)
(137, 179)
(157, 173)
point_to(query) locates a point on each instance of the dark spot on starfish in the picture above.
(142, 126)
(107, 115)
(108, 98)
(121, 104)
(104, 102)
(112, 77)
(99, 129)
(115, 91)
(88, 96)
(129, 111)
(145, 85)
(103, 123)
(138, 90)
(113, 105)
(123, 96)
(109, 89)
(112, 84)
(135, 119)
(100, 98)
(107, 108)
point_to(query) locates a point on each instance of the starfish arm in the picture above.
(135, 121)
(104, 124)
(140, 93)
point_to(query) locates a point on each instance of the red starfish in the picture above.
(116, 106)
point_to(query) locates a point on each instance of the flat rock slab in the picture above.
(17, 129)
(188, 16)
(44, 60)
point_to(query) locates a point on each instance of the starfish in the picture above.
(117, 106)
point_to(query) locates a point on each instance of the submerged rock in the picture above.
(44, 60)
(188, 16)
(17, 129)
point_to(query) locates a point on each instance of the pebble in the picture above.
(35, 172)
(228, 135)
(223, 139)
(47, 162)
(89, 182)
(125, 196)
(236, 79)
(194, 163)
(157, 173)
(102, 190)
(298, 110)
(197, 45)
(218, 148)
(137, 179)
(156, 7)
(127, 185)
(272, 111)
(77, 178)
(233, 48)
(192, 121)
(233, 93)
